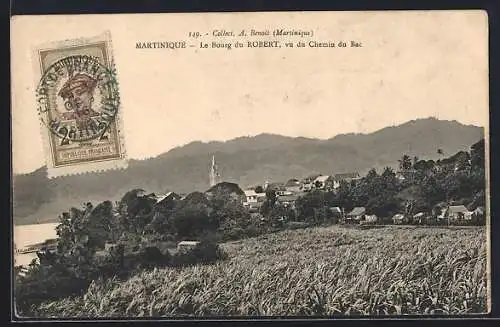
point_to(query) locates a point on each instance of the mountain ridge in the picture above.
(245, 160)
(265, 134)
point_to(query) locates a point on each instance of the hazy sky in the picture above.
(412, 65)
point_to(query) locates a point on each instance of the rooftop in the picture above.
(322, 178)
(288, 198)
(311, 177)
(292, 182)
(357, 211)
(162, 197)
(336, 209)
(343, 176)
(189, 242)
(250, 193)
(276, 186)
(458, 209)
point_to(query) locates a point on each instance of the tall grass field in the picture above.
(322, 271)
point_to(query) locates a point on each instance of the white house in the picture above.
(253, 200)
(338, 178)
(479, 211)
(357, 214)
(251, 196)
(293, 186)
(398, 219)
(460, 212)
(187, 245)
(279, 188)
(307, 183)
(370, 219)
(442, 214)
(419, 217)
(323, 182)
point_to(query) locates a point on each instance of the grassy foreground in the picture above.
(316, 271)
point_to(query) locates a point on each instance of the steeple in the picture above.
(214, 173)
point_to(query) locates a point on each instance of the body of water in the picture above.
(27, 235)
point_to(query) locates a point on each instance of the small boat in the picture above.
(48, 244)
(27, 250)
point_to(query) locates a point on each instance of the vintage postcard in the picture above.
(266, 164)
(79, 106)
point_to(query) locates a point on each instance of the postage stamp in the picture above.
(78, 103)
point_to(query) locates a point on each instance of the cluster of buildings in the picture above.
(448, 215)
(287, 193)
(451, 214)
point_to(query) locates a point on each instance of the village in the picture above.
(172, 231)
(288, 193)
(225, 224)
(291, 199)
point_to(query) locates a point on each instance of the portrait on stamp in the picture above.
(78, 94)
(78, 106)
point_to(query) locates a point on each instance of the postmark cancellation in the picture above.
(78, 103)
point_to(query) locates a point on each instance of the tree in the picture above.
(227, 189)
(421, 205)
(463, 161)
(344, 196)
(478, 154)
(389, 180)
(269, 203)
(405, 163)
(161, 222)
(415, 160)
(194, 198)
(314, 205)
(383, 206)
(278, 215)
(192, 220)
(369, 187)
(102, 225)
(478, 200)
(136, 210)
(81, 232)
(229, 212)
(70, 224)
(193, 216)
(477, 179)
(454, 185)
(409, 207)
(259, 189)
(431, 191)
(424, 165)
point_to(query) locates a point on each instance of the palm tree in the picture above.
(405, 163)
(409, 209)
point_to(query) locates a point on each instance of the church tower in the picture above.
(214, 173)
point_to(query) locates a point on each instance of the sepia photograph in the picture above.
(246, 165)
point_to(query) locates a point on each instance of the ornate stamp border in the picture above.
(53, 149)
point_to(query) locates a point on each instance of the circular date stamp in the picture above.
(78, 98)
